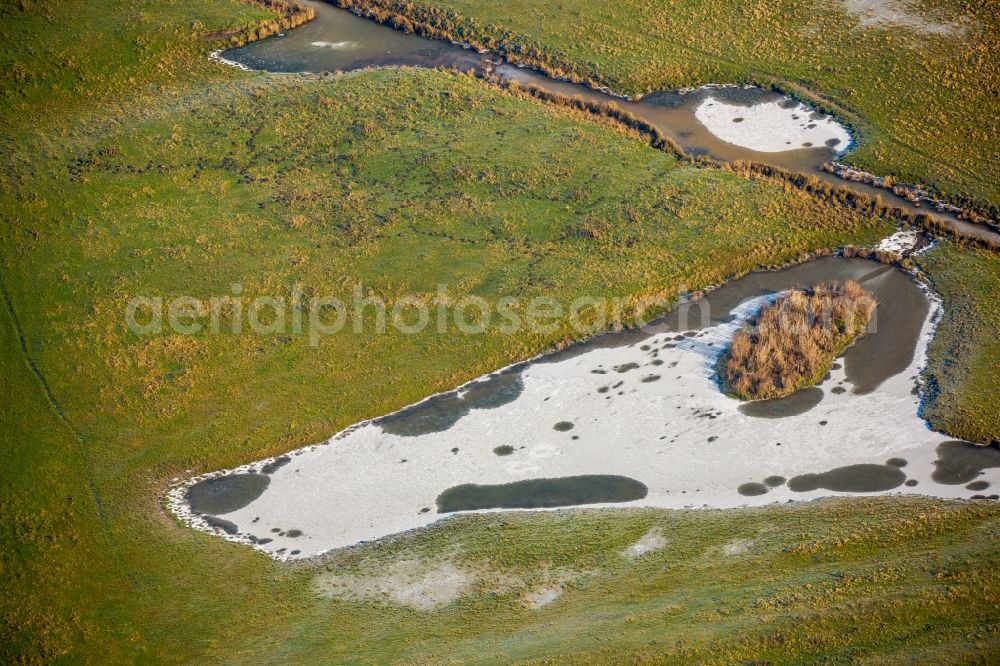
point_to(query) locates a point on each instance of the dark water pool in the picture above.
(542, 493)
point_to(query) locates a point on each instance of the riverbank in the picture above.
(868, 71)
(652, 392)
(665, 129)
(290, 14)
(962, 392)
(912, 193)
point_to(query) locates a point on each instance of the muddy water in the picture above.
(799, 402)
(226, 494)
(864, 478)
(440, 412)
(959, 462)
(337, 40)
(886, 350)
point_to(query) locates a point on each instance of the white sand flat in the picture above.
(679, 435)
(771, 127)
(899, 242)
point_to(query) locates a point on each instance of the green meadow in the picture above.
(920, 90)
(964, 356)
(134, 166)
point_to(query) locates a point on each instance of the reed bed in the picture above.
(792, 343)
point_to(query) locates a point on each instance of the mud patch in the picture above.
(542, 596)
(864, 478)
(961, 462)
(650, 541)
(224, 494)
(737, 547)
(542, 493)
(797, 403)
(752, 489)
(419, 584)
(888, 13)
(441, 412)
(227, 526)
(276, 464)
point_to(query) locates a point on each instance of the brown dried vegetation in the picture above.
(792, 343)
(288, 14)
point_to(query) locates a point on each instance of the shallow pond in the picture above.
(626, 419)
(727, 122)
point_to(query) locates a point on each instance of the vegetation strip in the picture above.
(291, 14)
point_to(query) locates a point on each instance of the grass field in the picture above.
(139, 168)
(926, 104)
(774, 585)
(964, 357)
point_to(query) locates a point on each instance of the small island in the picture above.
(792, 343)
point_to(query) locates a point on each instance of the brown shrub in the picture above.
(886, 256)
(792, 343)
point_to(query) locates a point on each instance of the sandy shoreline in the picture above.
(689, 444)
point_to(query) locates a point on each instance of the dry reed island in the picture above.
(792, 343)
(133, 164)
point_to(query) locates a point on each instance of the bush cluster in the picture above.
(792, 343)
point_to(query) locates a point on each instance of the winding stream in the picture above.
(337, 40)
